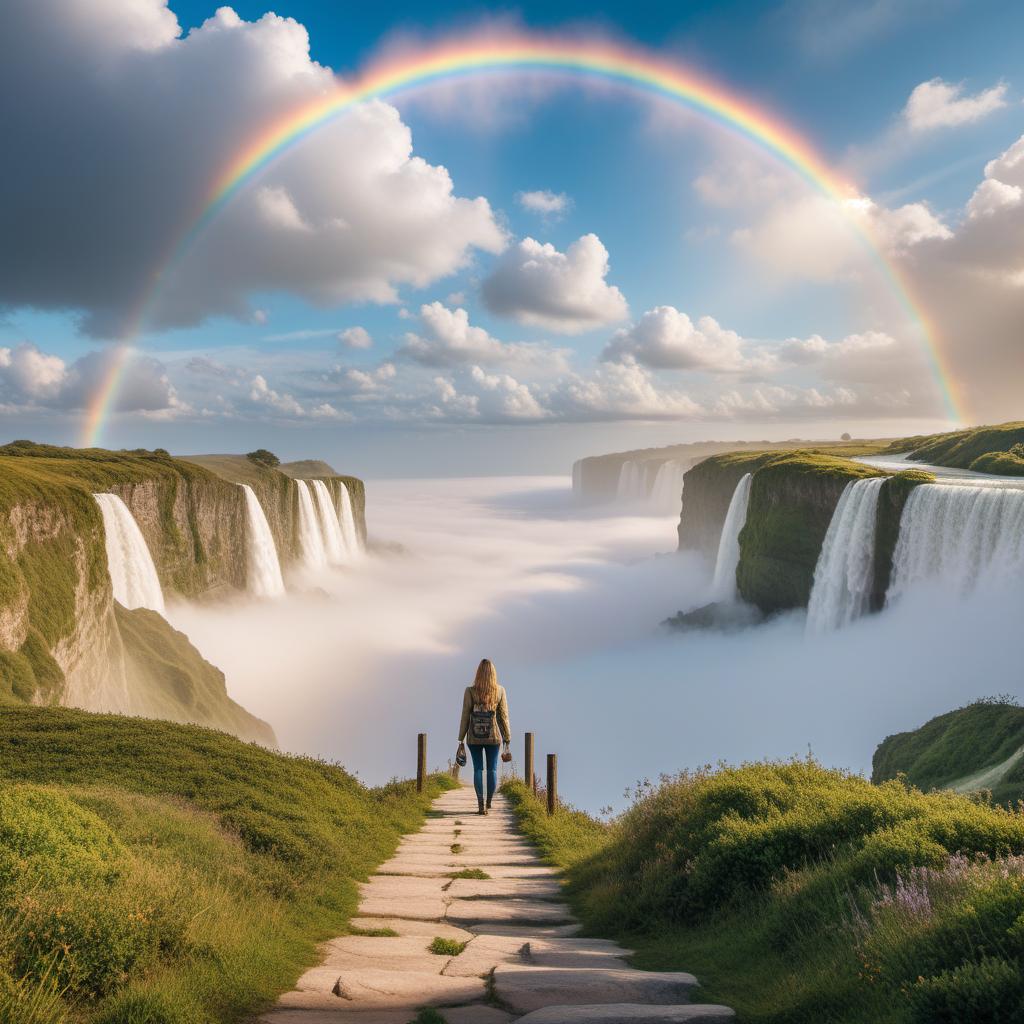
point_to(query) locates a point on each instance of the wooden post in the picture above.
(421, 761)
(552, 783)
(528, 762)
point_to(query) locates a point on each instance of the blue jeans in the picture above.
(476, 751)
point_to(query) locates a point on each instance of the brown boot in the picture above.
(480, 809)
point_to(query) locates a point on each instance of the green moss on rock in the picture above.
(792, 499)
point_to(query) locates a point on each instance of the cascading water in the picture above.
(353, 542)
(577, 479)
(311, 538)
(843, 575)
(724, 585)
(264, 568)
(334, 539)
(132, 572)
(666, 494)
(631, 482)
(959, 535)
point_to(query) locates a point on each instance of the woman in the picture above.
(484, 724)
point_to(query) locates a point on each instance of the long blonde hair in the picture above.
(485, 686)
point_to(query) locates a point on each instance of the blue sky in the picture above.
(805, 339)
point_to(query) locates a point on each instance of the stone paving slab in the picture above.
(519, 912)
(522, 954)
(629, 1013)
(523, 989)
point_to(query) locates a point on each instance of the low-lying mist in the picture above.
(567, 603)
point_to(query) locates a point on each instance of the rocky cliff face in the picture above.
(63, 638)
(792, 499)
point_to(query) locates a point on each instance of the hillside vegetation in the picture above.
(153, 873)
(998, 449)
(800, 895)
(967, 749)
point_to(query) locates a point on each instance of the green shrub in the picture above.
(446, 947)
(264, 458)
(991, 991)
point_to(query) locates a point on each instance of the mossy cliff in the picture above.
(597, 476)
(63, 638)
(975, 747)
(793, 496)
(996, 449)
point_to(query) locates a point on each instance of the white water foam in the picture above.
(264, 568)
(843, 575)
(959, 535)
(631, 481)
(728, 560)
(353, 542)
(311, 538)
(335, 542)
(132, 572)
(666, 494)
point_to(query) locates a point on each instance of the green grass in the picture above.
(170, 874)
(456, 847)
(800, 895)
(428, 1015)
(958, 744)
(373, 933)
(446, 947)
(470, 873)
(983, 449)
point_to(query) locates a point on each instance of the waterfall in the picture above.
(724, 586)
(132, 572)
(577, 479)
(353, 542)
(959, 534)
(264, 569)
(334, 539)
(631, 481)
(844, 573)
(311, 538)
(666, 494)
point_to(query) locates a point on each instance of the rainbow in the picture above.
(607, 62)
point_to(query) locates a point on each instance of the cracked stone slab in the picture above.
(397, 886)
(396, 953)
(504, 888)
(527, 931)
(524, 989)
(630, 1013)
(376, 989)
(519, 912)
(420, 909)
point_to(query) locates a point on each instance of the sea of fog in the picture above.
(567, 602)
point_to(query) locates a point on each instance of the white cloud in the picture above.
(446, 338)
(262, 394)
(349, 214)
(564, 292)
(31, 378)
(621, 391)
(938, 104)
(551, 205)
(355, 337)
(667, 339)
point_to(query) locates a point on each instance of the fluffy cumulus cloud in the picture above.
(535, 284)
(666, 339)
(355, 337)
(447, 338)
(351, 214)
(551, 205)
(31, 379)
(939, 104)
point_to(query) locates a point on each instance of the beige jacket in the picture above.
(500, 719)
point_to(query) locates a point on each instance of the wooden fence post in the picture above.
(421, 761)
(528, 762)
(552, 783)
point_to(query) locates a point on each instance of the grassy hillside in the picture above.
(955, 748)
(998, 449)
(800, 895)
(307, 469)
(153, 873)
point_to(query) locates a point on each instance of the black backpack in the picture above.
(481, 723)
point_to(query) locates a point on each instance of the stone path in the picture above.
(522, 959)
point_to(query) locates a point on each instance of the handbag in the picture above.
(460, 755)
(506, 754)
